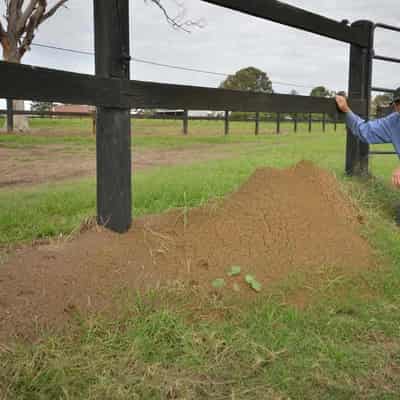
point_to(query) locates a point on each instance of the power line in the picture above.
(48, 46)
(211, 72)
(163, 65)
(179, 67)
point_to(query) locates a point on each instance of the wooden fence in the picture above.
(186, 118)
(111, 91)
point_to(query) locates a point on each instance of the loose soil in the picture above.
(279, 223)
(54, 163)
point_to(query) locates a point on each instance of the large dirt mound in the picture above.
(277, 223)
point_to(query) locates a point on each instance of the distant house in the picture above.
(73, 108)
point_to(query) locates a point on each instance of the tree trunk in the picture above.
(21, 124)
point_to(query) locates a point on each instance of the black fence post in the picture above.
(295, 122)
(323, 122)
(257, 130)
(94, 120)
(310, 122)
(113, 144)
(360, 78)
(185, 122)
(335, 122)
(10, 116)
(226, 123)
(278, 123)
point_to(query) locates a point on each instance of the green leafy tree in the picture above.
(249, 79)
(321, 91)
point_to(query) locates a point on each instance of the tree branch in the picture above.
(25, 15)
(19, 8)
(53, 10)
(12, 16)
(178, 21)
(33, 23)
(2, 31)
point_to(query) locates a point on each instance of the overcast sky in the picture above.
(227, 42)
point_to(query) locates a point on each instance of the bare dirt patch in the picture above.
(280, 222)
(53, 163)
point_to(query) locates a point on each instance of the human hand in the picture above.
(396, 177)
(342, 104)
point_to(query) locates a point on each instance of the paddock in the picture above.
(113, 94)
(261, 262)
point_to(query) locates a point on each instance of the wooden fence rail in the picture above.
(25, 82)
(295, 17)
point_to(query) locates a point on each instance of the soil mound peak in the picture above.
(279, 222)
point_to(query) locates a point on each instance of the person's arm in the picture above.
(372, 132)
(384, 130)
(378, 131)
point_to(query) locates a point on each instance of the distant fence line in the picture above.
(184, 116)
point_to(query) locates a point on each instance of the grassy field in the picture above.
(58, 208)
(169, 345)
(151, 133)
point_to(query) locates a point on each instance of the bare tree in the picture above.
(21, 20)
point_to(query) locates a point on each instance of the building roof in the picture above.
(71, 108)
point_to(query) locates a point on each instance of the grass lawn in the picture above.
(53, 209)
(165, 345)
(151, 133)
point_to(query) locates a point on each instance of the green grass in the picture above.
(50, 210)
(61, 123)
(158, 346)
(139, 140)
(151, 133)
(147, 126)
(28, 141)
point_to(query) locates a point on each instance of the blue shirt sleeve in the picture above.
(383, 130)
